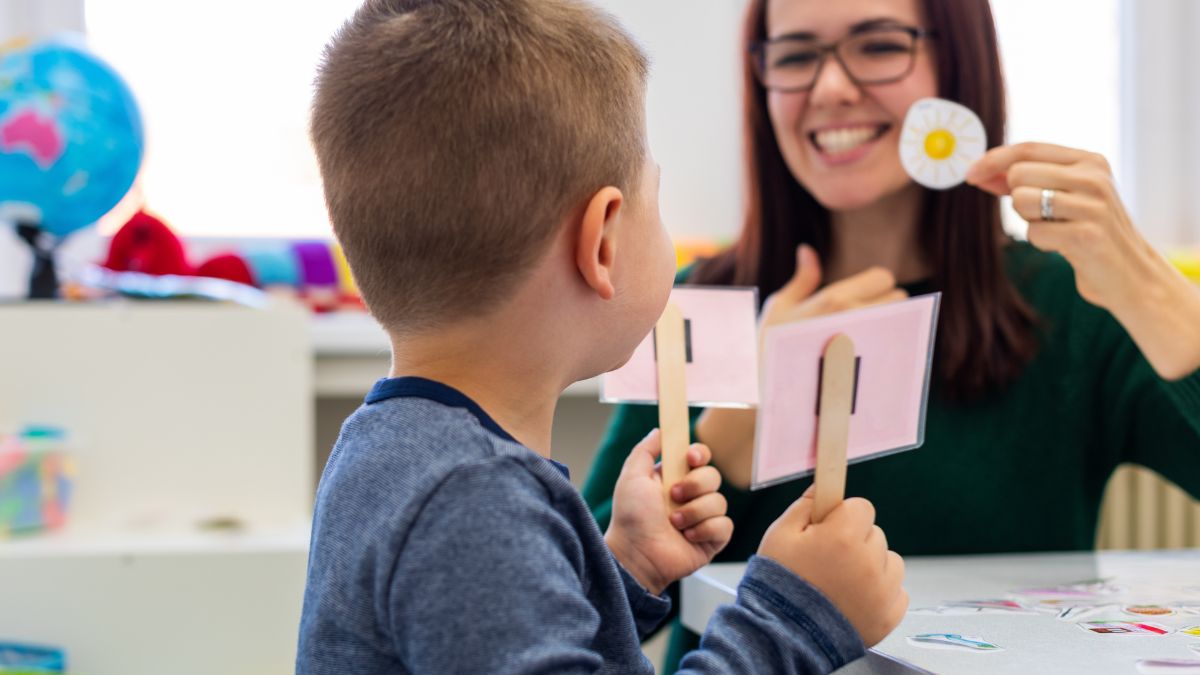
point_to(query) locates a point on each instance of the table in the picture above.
(1032, 643)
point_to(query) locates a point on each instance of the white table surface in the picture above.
(1034, 643)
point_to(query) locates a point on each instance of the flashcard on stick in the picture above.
(893, 349)
(720, 346)
(703, 351)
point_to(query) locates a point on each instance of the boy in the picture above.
(486, 170)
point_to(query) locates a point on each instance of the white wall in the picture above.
(1161, 132)
(694, 116)
(197, 82)
(694, 105)
(34, 18)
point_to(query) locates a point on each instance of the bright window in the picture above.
(1062, 63)
(224, 87)
(228, 153)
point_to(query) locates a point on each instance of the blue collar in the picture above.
(419, 387)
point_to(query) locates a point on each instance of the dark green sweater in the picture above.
(1023, 469)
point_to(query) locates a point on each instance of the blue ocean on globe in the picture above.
(71, 138)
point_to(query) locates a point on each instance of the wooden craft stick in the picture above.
(833, 425)
(672, 397)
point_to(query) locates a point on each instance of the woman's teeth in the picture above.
(839, 141)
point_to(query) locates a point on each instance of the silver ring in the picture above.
(1047, 204)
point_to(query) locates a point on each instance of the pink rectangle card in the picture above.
(893, 345)
(721, 326)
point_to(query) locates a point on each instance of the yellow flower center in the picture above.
(939, 144)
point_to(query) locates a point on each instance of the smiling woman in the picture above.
(1050, 367)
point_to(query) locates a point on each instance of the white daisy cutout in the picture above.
(940, 141)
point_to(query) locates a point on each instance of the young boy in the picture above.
(486, 170)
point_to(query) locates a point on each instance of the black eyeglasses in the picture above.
(876, 55)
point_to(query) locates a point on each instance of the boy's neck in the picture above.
(483, 361)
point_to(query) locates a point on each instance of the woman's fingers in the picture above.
(1082, 180)
(991, 171)
(807, 277)
(1067, 206)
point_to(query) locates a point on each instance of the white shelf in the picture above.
(352, 352)
(348, 334)
(177, 413)
(75, 544)
(185, 604)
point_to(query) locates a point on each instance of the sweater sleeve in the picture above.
(1132, 414)
(649, 610)
(778, 624)
(1148, 420)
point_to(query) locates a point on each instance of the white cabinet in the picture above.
(179, 413)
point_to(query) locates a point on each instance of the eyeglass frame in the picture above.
(758, 52)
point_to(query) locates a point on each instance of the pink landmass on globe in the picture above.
(29, 132)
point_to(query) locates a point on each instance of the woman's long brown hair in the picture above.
(985, 330)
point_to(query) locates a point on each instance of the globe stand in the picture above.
(43, 281)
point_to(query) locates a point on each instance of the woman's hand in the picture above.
(730, 432)
(1115, 267)
(800, 299)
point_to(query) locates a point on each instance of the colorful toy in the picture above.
(315, 271)
(35, 481)
(26, 659)
(1187, 262)
(690, 249)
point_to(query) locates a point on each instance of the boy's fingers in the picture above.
(894, 577)
(895, 568)
(697, 482)
(856, 515)
(896, 612)
(711, 505)
(714, 530)
(644, 455)
(698, 455)
(878, 541)
(799, 514)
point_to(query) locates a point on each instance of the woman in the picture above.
(1056, 359)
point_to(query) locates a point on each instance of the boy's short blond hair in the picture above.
(454, 136)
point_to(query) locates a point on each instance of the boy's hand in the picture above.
(846, 557)
(658, 548)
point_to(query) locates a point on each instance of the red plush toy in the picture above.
(145, 244)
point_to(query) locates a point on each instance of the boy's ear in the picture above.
(597, 244)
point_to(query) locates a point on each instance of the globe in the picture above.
(71, 139)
